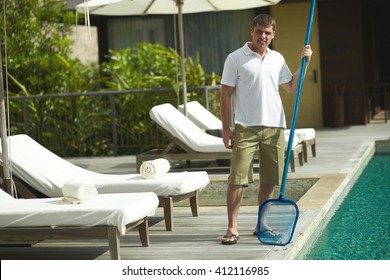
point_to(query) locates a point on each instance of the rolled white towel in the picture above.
(78, 192)
(155, 168)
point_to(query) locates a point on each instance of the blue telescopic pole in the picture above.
(297, 100)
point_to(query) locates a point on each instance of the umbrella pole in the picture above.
(6, 184)
(179, 4)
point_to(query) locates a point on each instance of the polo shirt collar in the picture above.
(247, 50)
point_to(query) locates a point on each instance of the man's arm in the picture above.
(226, 106)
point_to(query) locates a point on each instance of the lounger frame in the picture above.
(305, 146)
(21, 234)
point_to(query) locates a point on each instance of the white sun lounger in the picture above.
(47, 173)
(182, 128)
(189, 142)
(108, 216)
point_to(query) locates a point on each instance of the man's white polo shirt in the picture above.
(256, 81)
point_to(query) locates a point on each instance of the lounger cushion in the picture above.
(202, 117)
(180, 127)
(305, 133)
(47, 173)
(108, 209)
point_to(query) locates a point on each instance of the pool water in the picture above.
(360, 227)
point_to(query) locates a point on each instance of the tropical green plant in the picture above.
(145, 66)
(74, 122)
(38, 64)
(36, 31)
(148, 66)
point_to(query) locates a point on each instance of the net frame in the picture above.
(277, 221)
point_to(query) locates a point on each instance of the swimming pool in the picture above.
(360, 227)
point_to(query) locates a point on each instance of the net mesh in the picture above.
(276, 221)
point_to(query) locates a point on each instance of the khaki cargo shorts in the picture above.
(269, 141)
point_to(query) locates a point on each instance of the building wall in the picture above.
(342, 62)
(291, 20)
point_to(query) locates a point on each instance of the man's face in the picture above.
(262, 36)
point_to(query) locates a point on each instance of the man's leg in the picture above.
(234, 196)
(241, 172)
(266, 191)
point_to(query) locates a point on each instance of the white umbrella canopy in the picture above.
(146, 7)
(179, 7)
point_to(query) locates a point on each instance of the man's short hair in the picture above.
(264, 20)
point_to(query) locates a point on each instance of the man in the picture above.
(252, 76)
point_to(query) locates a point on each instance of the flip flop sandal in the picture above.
(231, 239)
